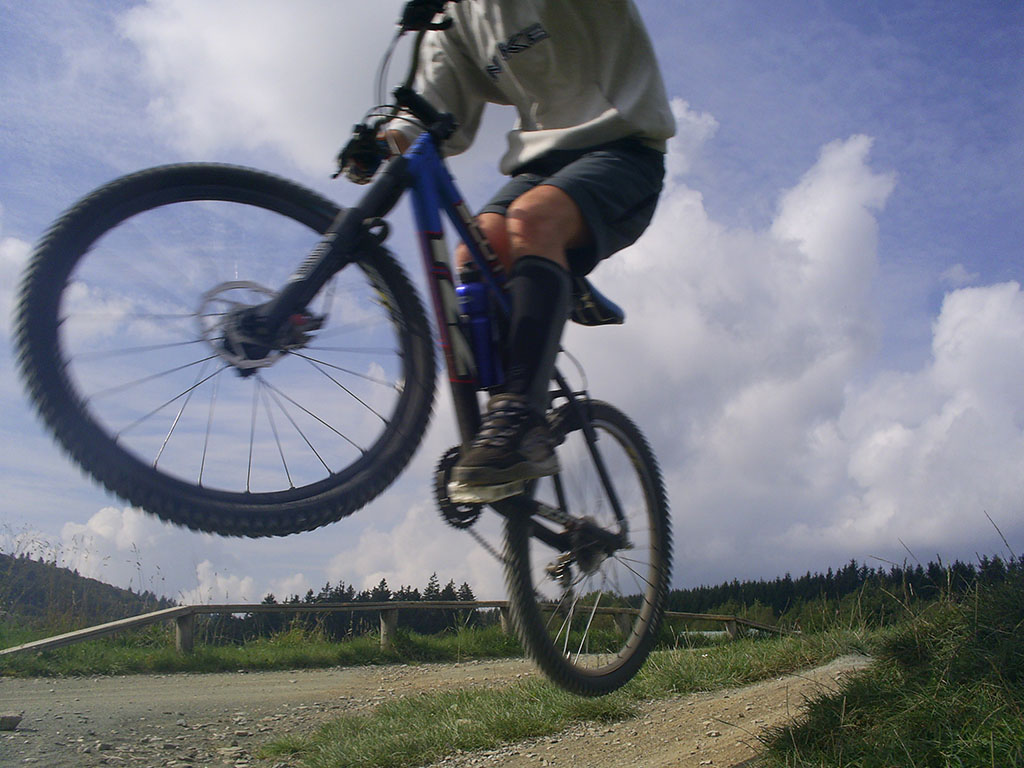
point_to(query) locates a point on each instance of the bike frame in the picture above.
(422, 172)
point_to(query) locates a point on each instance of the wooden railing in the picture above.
(184, 617)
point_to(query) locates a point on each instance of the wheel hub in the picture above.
(231, 325)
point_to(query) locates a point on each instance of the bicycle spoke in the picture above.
(252, 435)
(146, 417)
(297, 428)
(353, 350)
(105, 354)
(316, 364)
(586, 631)
(308, 412)
(177, 417)
(108, 316)
(388, 384)
(277, 438)
(146, 379)
(209, 425)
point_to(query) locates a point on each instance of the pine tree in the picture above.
(433, 589)
(449, 594)
(381, 593)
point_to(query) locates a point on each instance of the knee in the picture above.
(544, 222)
(492, 226)
(530, 223)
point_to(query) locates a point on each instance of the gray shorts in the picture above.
(616, 187)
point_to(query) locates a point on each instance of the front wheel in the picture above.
(588, 602)
(131, 348)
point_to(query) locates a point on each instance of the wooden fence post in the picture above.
(184, 632)
(733, 629)
(624, 623)
(388, 626)
(506, 621)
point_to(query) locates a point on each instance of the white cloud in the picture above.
(260, 74)
(743, 357)
(215, 587)
(693, 131)
(959, 276)
(128, 548)
(418, 545)
(117, 545)
(296, 584)
(13, 257)
(933, 450)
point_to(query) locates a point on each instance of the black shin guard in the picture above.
(541, 293)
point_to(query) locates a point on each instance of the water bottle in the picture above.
(476, 310)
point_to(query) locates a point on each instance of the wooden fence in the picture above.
(184, 618)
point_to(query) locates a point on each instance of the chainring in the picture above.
(457, 515)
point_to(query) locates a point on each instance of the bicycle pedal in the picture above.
(460, 493)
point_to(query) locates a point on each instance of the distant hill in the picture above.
(44, 593)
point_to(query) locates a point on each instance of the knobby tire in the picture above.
(579, 648)
(382, 298)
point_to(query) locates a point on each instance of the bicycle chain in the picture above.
(487, 546)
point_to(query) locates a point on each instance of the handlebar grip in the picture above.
(419, 107)
(441, 124)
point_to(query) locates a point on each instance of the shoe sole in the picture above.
(459, 493)
(517, 473)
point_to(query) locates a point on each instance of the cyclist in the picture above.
(586, 161)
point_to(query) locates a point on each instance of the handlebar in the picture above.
(418, 15)
(360, 158)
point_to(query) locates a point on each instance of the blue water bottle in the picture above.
(476, 310)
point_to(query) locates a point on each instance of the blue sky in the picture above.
(824, 310)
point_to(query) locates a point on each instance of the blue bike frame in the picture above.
(433, 190)
(422, 172)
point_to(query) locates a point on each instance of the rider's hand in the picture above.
(362, 156)
(419, 13)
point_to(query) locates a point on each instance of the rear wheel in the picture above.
(588, 609)
(131, 347)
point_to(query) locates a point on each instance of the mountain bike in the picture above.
(180, 357)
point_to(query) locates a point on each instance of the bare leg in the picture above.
(514, 444)
(544, 222)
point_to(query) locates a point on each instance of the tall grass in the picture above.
(947, 690)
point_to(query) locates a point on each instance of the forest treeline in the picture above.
(852, 593)
(42, 592)
(341, 624)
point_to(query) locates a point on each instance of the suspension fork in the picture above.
(339, 246)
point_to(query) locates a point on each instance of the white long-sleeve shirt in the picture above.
(580, 73)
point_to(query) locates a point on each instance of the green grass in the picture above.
(418, 729)
(421, 729)
(947, 690)
(152, 651)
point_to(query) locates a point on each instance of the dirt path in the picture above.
(189, 721)
(710, 729)
(203, 720)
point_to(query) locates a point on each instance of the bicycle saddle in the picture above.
(591, 307)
